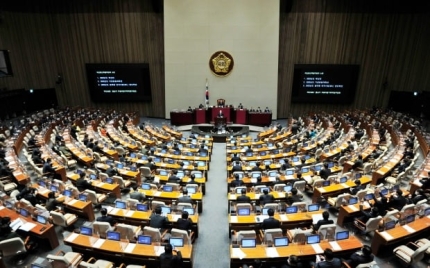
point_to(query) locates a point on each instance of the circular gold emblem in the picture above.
(221, 63)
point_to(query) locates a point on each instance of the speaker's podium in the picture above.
(220, 121)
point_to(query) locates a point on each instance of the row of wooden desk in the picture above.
(122, 250)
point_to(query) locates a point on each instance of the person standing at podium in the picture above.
(220, 114)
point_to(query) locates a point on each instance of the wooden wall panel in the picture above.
(60, 37)
(389, 47)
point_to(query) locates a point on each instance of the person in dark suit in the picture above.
(425, 182)
(111, 171)
(358, 163)
(136, 194)
(324, 221)
(220, 114)
(156, 220)
(266, 198)
(398, 201)
(381, 205)
(418, 196)
(235, 158)
(51, 203)
(270, 222)
(203, 150)
(325, 172)
(173, 177)
(358, 187)
(184, 223)
(294, 197)
(151, 165)
(236, 182)
(185, 198)
(240, 106)
(243, 198)
(201, 106)
(360, 257)
(328, 260)
(47, 167)
(257, 167)
(293, 261)
(373, 213)
(168, 260)
(237, 167)
(105, 218)
(82, 184)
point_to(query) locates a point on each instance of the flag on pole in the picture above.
(207, 94)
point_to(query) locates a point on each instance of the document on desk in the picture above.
(72, 202)
(386, 235)
(233, 219)
(1, 207)
(129, 248)
(272, 179)
(175, 217)
(158, 250)
(232, 196)
(238, 253)
(99, 243)
(257, 196)
(409, 229)
(72, 237)
(272, 252)
(283, 217)
(281, 195)
(157, 193)
(353, 207)
(317, 248)
(344, 185)
(14, 225)
(129, 213)
(316, 218)
(27, 226)
(114, 211)
(334, 245)
(100, 184)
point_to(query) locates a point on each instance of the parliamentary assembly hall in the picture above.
(214, 134)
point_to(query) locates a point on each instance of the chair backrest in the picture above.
(373, 223)
(300, 185)
(244, 205)
(342, 198)
(367, 168)
(92, 196)
(119, 180)
(103, 176)
(367, 265)
(185, 205)
(12, 246)
(301, 206)
(279, 187)
(156, 203)
(153, 232)
(181, 233)
(419, 253)
(318, 183)
(101, 228)
(132, 203)
(327, 231)
(408, 209)
(145, 171)
(245, 234)
(273, 206)
(269, 234)
(361, 194)
(58, 219)
(126, 231)
(300, 235)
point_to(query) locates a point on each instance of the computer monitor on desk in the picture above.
(291, 210)
(144, 239)
(313, 207)
(40, 219)
(389, 225)
(248, 243)
(342, 235)
(313, 239)
(120, 204)
(176, 242)
(281, 241)
(165, 210)
(142, 207)
(86, 230)
(111, 235)
(243, 212)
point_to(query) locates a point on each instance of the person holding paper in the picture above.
(328, 260)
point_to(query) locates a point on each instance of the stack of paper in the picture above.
(99, 243)
(71, 237)
(335, 246)
(237, 253)
(272, 252)
(317, 248)
(158, 250)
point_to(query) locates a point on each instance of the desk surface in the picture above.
(252, 219)
(144, 215)
(263, 252)
(121, 247)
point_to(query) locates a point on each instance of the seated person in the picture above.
(47, 167)
(5, 229)
(236, 182)
(328, 260)
(135, 194)
(324, 221)
(294, 197)
(257, 167)
(201, 106)
(358, 164)
(240, 106)
(189, 109)
(360, 257)
(266, 198)
(111, 171)
(417, 196)
(105, 218)
(184, 223)
(270, 222)
(82, 184)
(156, 220)
(192, 179)
(358, 187)
(220, 114)
(168, 260)
(52, 203)
(235, 158)
(325, 172)
(397, 200)
(185, 198)
(267, 110)
(373, 213)
(173, 177)
(293, 261)
(243, 198)
(236, 167)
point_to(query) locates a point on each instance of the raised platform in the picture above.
(206, 129)
(251, 128)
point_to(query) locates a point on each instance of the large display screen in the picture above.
(324, 83)
(119, 82)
